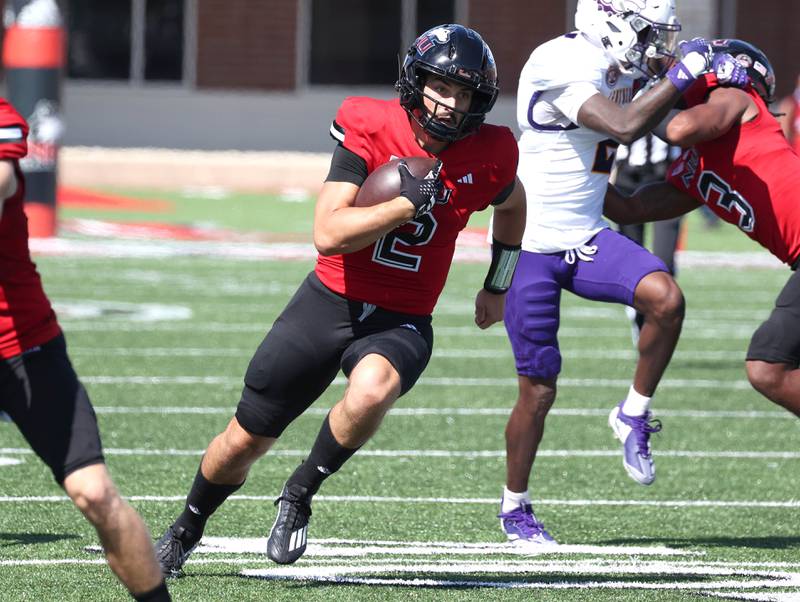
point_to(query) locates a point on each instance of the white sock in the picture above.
(512, 500)
(635, 404)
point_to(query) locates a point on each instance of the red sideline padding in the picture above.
(86, 199)
(34, 48)
(41, 220)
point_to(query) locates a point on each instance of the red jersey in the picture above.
(26, 318)
(406, 269)
(749, 176)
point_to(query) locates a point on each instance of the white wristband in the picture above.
(695, 63)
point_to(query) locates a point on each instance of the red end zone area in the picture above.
(80, 198)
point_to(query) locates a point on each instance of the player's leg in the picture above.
(381, 365)
(48, 404)
(125, 538)
(774, 354)
(661, 301)
(623, 272)
(531, 320)
(295, 363)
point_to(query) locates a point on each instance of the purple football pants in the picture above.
(533, 303)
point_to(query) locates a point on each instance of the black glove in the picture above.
(422, 192)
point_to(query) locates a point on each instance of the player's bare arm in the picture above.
(725, 108)
(507, 230)
(632, 121)
(628, 123)
(650, 203)
(340, 227)
(509, 216)
(8, 181)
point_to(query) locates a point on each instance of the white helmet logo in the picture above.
(442, 34)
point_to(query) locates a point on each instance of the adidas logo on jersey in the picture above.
(298, 538)
(467, 179)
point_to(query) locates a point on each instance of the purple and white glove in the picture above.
(729, 71)
(697, 57)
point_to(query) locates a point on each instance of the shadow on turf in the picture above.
(24, 539)
(766, 543)
(460, 581)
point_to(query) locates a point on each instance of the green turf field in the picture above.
(412, 516)
(294, 214)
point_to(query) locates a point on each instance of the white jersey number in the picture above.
(728, 199)
(386, 248)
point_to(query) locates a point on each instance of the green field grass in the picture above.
(412, 516)
(294, 214)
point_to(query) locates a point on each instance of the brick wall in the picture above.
(513, 28)
(773, 26)
(246, 44)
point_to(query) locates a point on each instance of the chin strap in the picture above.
(504, 262)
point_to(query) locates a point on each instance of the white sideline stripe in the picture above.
(572, 412)
(338, 547)
(733, 331)
(251, 251)
(520, 565)
(247, 545)
(8, 499)
(446, 453)
(680, 383)
(51, 561)
(627, 354)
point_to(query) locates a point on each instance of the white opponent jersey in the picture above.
(565, 167)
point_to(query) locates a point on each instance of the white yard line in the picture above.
(455, 353)
(413, 412)
(466, 251)
(735, 331)
(679, 383)
(445, 453)
(674, 504)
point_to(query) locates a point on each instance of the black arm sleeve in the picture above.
(346, 166)
(504, 194)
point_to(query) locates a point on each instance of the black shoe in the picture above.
(172, 550)
(287, 540)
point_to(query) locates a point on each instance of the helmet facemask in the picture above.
(466, 122)
(456, 54)
(637, 36)
(654, 51)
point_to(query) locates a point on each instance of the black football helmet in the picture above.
(756, 62)
(455, 53)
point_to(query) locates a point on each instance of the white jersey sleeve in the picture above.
(563, 166)
(570, 99)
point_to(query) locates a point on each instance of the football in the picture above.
(383, 184)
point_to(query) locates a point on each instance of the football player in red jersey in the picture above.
(737, 162)
(366, 308)
(42, 395)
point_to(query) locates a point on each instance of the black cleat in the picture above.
(172, 550)
(287, 539)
